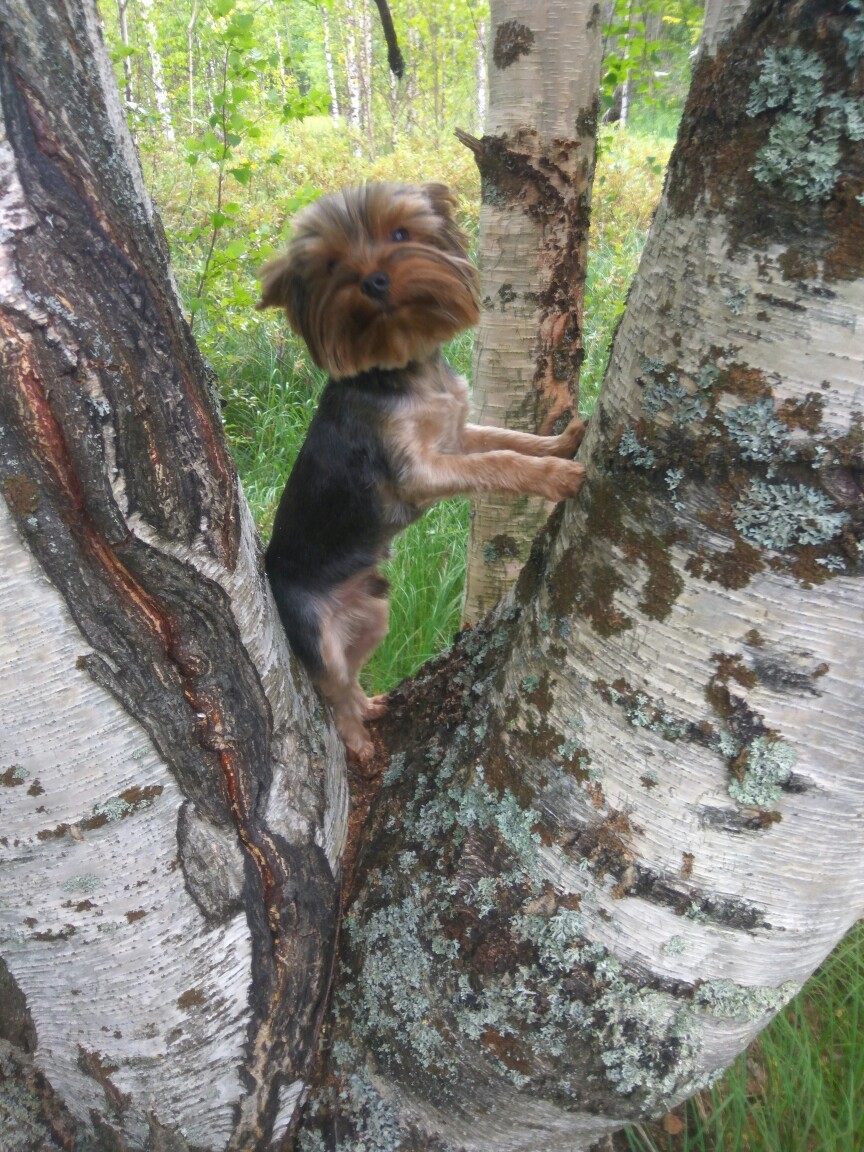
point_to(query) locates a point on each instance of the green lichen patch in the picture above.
(352, 1107)
(121, 807)
(13, 777)
(758, 434)
(760, 770)
(771, 139)
(634, 450)
(651, 1043)
(802, 154)
(32, 1117)
(642, 711)
(690, 438)
(730, 1001)
(781, 516)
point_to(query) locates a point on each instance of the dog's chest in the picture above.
(436, 413)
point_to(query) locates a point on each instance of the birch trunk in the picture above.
(160, 91)
(123, 22)
(537, 165)
(352, 66)
(190, 66)
(482, 84)
(173, 805)
(366, 75)
(620, 822)
(331, 71)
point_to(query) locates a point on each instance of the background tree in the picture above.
(536, 165)
(582, 888)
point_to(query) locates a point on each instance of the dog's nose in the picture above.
(375, 285)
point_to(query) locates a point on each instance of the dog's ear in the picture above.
(282, 287)
(442, 199)
(443, 204)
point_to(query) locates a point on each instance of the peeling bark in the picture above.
(537, 164)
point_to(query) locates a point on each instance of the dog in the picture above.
(375, 280)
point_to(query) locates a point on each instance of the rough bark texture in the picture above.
(536, 163)
(621, 822)
(159, 842)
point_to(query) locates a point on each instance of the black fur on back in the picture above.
(331, 521)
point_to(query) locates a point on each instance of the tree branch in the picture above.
(394, 53)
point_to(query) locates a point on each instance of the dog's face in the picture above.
(375, 276)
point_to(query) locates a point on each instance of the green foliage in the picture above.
(647, 51)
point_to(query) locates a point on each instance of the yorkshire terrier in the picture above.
(375, 280)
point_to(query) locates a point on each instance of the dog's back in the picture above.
(337, 514)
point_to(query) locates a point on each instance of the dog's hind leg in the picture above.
(355, 622)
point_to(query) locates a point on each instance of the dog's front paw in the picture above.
(563, 479)
(376, 706)
(570, 439)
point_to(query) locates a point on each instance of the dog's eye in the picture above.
(331, 266)
(401, 234)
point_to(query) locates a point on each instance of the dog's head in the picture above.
(375, 276)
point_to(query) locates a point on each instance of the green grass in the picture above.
(798, 1088)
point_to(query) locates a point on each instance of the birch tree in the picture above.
(157, 75)
(614, 828)
(536, 163)
(331, 71)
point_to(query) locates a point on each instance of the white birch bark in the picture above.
(160, 91)
(365, 36)
(482, 81)
(721, 17)
(123, 22)
(353, 80)
(620, 822)
(190, 57)
(331, 70)
(544, 75)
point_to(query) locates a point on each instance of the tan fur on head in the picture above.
(393, 234)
